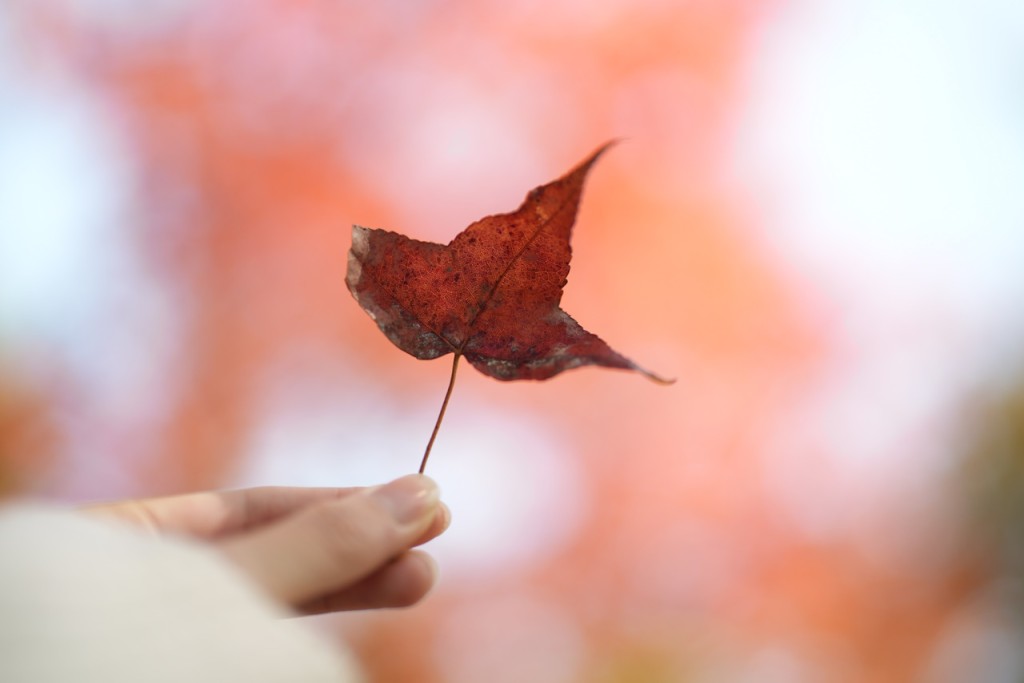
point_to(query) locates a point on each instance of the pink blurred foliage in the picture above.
(261, 131)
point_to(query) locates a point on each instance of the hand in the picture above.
(314, 549)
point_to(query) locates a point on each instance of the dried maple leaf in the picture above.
(491, 294)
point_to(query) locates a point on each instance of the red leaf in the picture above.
(491, 294)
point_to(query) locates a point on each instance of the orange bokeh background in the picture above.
(605, 528)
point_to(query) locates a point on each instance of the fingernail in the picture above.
(410, 498)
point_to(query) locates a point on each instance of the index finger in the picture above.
(212, 514)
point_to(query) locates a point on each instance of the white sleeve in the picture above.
(89, 600)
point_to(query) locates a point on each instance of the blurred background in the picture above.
(816, 223)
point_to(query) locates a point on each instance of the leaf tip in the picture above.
(596, 154)
(657, 379)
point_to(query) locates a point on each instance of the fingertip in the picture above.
(444, 517)
(409, 499)
(411, 583)
(433, 570)
(440, 523)
(402, 583)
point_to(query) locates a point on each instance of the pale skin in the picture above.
(315, 550)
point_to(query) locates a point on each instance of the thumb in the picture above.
(331, 545)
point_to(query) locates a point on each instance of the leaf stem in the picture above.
(444, 407)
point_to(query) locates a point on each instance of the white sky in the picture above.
(885, 143)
